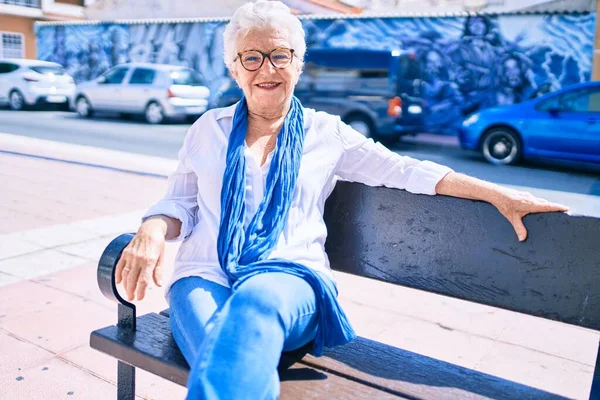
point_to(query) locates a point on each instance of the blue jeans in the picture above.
(233, 341)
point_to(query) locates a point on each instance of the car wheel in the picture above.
(154, 113)
(16, 101)
(362, 124)
(83, 107)
(502, 146)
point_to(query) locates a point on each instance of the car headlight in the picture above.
(471, 120)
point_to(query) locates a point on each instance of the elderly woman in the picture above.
(251, 277)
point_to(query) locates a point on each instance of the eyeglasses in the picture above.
(252, 60)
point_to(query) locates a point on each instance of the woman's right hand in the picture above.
(142, 258)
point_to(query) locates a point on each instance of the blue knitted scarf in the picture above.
(244, 254)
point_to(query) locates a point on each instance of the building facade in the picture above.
(164, 9)
(17, 19)
(108, 10)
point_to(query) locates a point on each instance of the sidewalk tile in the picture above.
(12, 245)
(4, 212)
(26, 297)
(369, 322)
(536, 369)
(20, 221)
(40, 263)
(48, 192)
(113, 225)
(57, 379)
(110, 206)
(567, 341)
(57, 235)
(448, 312)
(62, 325)
(7, 279)
(147, 385)
(18, 355)
(430, 339)
(82, 282)
(90, 249)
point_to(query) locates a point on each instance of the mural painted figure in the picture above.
(465, 63)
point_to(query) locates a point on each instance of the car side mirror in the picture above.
(101, 79)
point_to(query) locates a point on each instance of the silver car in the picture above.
(158, 91)
(26, 83)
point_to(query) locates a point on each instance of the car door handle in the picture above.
(592, 121)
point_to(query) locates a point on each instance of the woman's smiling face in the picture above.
(268, 89)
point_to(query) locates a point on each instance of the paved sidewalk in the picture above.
(55, 220)
(57, 217)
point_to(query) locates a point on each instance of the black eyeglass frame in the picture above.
(264, 56)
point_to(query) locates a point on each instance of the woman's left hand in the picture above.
(514, 205)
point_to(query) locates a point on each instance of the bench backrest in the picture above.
(468, 250)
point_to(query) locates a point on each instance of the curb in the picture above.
(86, 156)
(432, 139)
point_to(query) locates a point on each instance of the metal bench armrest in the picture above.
(106, 280)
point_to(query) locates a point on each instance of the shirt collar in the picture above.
(229, 112)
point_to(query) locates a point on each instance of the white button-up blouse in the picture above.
(332, 151)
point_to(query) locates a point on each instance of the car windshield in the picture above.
(186, 77)
(408, 72)
(48, 69)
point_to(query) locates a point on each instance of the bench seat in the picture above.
(363, 369)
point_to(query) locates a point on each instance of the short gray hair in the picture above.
(263, 15)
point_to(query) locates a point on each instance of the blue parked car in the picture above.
(563, 125)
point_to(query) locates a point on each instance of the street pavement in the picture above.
(135, 136)
(62, 203)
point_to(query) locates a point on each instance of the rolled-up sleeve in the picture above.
(371, 163)
(180, 200)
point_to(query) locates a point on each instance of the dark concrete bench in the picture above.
(454, 247)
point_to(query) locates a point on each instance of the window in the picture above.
(594, 104)
(316, 71)
(142, 76)
(6, 68)
(48, 69)
(12, 45)
(360, 72)
(186, 77)
(115, 75)
(584, 100)
(350, 79)
(549, 104)
(574, 102)
(22, 3)
(409, 68)
(80, 3)
(349, 73)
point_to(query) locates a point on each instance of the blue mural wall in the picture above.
(466, 63)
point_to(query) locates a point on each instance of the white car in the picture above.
(26, 82)
(158, 91)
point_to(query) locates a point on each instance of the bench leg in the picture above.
(125, 381)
